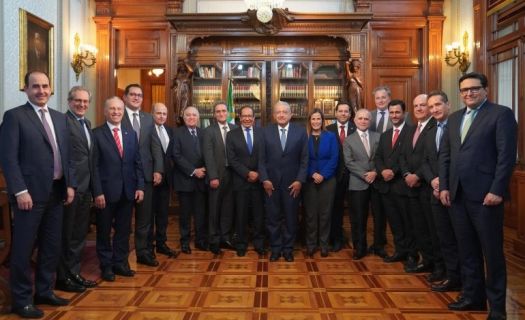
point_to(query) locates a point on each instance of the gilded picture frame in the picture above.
(36, 46)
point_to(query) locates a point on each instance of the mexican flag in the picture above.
(229, 103)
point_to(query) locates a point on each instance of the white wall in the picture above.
(305, 6)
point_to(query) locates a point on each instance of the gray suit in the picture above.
(362, 194)
(152, 161)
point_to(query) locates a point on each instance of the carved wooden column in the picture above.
(519, 200)
(435, 49)
(105, 66)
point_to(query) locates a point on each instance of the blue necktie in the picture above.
(196, 141)
(249, 140)
(283, 138)
(381, 122)
(439, 134)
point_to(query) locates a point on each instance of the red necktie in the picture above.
(394, 139)
(117, 141)
(342, 134)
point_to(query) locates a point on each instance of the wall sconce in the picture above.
(457, 55)
(83, 56)
(157, 72)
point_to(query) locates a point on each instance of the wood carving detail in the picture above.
(280, 19)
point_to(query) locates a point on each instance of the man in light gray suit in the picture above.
(380, 121)
(359, 149)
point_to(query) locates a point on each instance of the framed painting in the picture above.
(36, 46)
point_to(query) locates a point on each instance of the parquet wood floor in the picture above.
(202, 286)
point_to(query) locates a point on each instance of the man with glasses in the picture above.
(152, 162)
(476, 162)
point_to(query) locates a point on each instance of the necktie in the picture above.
(136, 125)
(467, 121)
(394, 138)
(162, 136)
(381, 123)
(196, 143)
(224, 132)
(342, 134)
(249, 140)
(83, 124)
(416, 135)
(365, 143)
(439, 134)
(117, 142)
(57, 165)
(283, 138)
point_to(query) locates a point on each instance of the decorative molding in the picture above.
(280, 19)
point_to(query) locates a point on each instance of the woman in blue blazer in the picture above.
(319, 190)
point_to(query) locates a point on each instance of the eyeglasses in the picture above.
(81, 101)
(135, 95)
(472, 90)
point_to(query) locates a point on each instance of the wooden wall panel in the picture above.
(396, 48)
(141, 48)
(404, 83)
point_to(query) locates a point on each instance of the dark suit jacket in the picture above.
(387, 157)
(167, 162)
(26, 154)
(484, 162)
(149, 144)
(373, 123)
(214, 152)
(239, 158)
(116, 176)
(284, 167)
(430, 164)
(341, 168)
(327, 157)
(186, 159)
(81, 152)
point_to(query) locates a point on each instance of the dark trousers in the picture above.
(425, 235)
(221, 210)
(75, 227)
(250, 204)
(160, 209)
(116, 215)
(400, 224)
(318, 200)
(361, 201)
(193, 202)
(143, 218)
(43, 225)
(336, 225)
(447, 241)
(479, 231)
(281, 219)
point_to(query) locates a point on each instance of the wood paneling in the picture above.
(404, 83)
(141, 48)
(517, 211)
(396, 48)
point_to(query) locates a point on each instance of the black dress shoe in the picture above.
(107, 274)
(310, 253)
(51, 300)
(358, 255)
(215, 249)
(288, 256)
(165, 250)
(241, 252)
(260, 251)
(466, 304)
(185, 249)
(201, 246)
(396, 257)
(124, 271)
(69, 285)
(147, 260)
(446, 286)
(29, 311)
(83, 281)
(419, 268)
(275, 256)
(227, 245)
(337, 246)
(437, 275)
(494, 315)
(324, 252)
(380, 252)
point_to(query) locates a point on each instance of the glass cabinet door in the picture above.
(207, 89)
(328, 86)
(293, 86)
(248, 87)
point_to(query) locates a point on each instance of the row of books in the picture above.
(299, 109)
(251, 72)
(291, 72)
(328, 92)
(208, 72)
(207, 92)
(293, 91)
(326, 105)
(254, 105)
(247, 91)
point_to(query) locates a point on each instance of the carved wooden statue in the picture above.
(182, 87)
(355, 85)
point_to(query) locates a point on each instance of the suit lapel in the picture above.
(32, 116)
(109, 136)
(476, 122)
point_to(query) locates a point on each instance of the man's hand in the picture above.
(492, 200)
(444, 196)
(317, 178)
(387, 174)
(412, 180)
(139, 196)
(214, 183)
(370, 177)
(70, 196)
(295, 189)
(24, 201)
(435, 183)
(200, 172)
(157, 178)
(268, 187)
(100, 201)
(253, 176)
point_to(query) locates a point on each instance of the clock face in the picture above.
(264, 14)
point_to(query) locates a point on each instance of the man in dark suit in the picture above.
(419, 207)
(380, 116)
(343, 127)
(219, 177)
(151, 156)
(476, 163)
(188, 180)
(118, 183)
(391, 186)
(161, 192)
(34, 154)
(283, 166)
(242, 148)
(75, 225)
(359, 151)
(450, 279)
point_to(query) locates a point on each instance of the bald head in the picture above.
(160, 113)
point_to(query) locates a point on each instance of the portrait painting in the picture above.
(36, 46)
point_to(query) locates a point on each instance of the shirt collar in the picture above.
(131, 112)
(285, 127)
(400, 127)
(36, 108)
(361, 132)
(111, 126)
(339, 124)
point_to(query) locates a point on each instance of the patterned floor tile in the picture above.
(137, 281)
(340, 266)
(234, 281)
(294, 316)
(362, 316)
(344, 281)
(431, 316)
(410, 282)
(168, 299)
(287, 267)
(177, 280)
(107, 298)
(89, 315)
(378, 266)
(226, 316)
(188, 266)
(354, 300)
(288, 281)
(416, 300)
(233, 266)
(229, 299)
(292, 299)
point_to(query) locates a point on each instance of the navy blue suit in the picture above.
(26, 157)
(117, 179)
(483, 163)
(282, 168)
